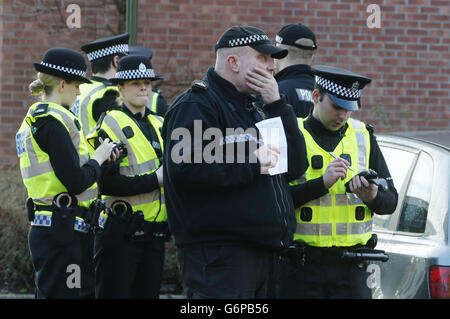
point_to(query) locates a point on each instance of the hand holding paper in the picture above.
(274, 138)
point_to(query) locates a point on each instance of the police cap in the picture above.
(135, 50)
(107, 46)
(64, 63)
(133, 67)
(249, 36)
(343, 87)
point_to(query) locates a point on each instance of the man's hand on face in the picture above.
(263, 83)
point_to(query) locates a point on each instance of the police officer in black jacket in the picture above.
(228, 217)
(294, 76)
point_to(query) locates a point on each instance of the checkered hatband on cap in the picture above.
(248, 40)
(118, 48)
(135, 74)
(64, 69)
(337, 89)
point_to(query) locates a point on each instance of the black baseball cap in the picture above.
(343, 87)
(291, 33)
(249, 36)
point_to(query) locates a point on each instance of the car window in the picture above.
(399, 162)
(413, 216)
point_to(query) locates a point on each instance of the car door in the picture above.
(394, 278)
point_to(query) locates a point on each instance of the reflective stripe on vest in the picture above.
(337, 218)
(37, 173)
(152, 105)
(89, 94)
(141, 159)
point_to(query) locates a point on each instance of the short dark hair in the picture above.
(321, 91)
(102, 65)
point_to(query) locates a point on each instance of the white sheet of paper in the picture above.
(272, 132)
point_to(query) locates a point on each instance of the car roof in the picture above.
(439, 138)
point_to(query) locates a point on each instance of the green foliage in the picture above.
(16, 270)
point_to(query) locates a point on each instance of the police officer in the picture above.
(294, 76)
(331, 222)
(228, 216)
(157, 104)
(100, 95)
(97, 97)
(129, 246)
(58, 174)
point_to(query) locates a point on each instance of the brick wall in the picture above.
(407, 57)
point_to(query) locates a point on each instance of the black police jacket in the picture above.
(297, 83)
(229, 202)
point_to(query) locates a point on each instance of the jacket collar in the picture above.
(100, 79)
(318, 129)
(293, 71)
(137, 116)
(227, 90)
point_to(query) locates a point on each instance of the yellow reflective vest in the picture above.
(37, 172)
(153, 102)
(141, 159)
(337, 218)
(82, 107)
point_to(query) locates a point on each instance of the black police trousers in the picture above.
(226, 271)
(323, 274)
(57, 263)
(129, 268)
(87, 266)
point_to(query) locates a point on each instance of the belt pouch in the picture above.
(113, 232)
(62, 229)
(30, 209)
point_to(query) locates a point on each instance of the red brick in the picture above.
(406, 57)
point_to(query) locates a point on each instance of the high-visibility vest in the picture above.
(141, 159)
(37, 172)
(82, 107)
(152, 105)
(337, 218)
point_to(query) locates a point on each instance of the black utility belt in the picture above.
(155, 228)
(61, 219)
(358, 253)
(32, 208)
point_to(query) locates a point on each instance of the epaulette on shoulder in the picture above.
(369, 127)
(100, 120)
(200, 85)
(40, 109)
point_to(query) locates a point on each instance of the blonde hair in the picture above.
(43, 84)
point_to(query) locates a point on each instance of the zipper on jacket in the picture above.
(283, 218)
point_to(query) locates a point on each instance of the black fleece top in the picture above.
(297, 83)
(231, 201)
